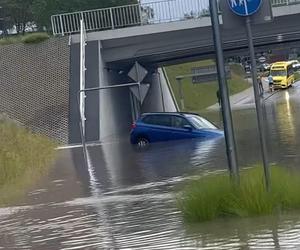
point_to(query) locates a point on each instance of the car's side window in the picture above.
(179, 122)
(164, 120)
(161, 120)
(150, 119)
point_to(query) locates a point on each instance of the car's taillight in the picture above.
(133, 125)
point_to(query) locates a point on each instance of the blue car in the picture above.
(155, 127)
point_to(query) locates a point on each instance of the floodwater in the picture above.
(124, 199)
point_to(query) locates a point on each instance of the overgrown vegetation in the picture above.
(24, 157)
(200, 96)
(35, 38)
(29, 38)
(216, 196)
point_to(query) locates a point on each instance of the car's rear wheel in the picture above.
(142, 142)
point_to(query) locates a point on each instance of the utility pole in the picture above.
(258, 104)
(224, 94)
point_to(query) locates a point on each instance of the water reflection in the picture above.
(271, 232)
(125, 199)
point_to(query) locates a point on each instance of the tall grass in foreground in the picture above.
(216, 196)
(24, 157)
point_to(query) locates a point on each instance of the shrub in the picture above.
(35, 38)
(216, 196)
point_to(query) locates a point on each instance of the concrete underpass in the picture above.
(110, 112)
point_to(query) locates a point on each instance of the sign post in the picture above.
(246, 8)
(226, 110)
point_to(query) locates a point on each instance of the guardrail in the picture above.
(137, 14)
(276, 3)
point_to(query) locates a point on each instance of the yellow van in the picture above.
(283, 74)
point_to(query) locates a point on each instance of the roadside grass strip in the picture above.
(24, 158)
(216, 196)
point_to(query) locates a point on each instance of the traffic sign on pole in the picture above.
(244, 11)
(244, 7)
(231, 20)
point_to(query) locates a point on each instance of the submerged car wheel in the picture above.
(142, 143)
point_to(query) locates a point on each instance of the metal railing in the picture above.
(276, 3)
(137, 14)
(129, 15)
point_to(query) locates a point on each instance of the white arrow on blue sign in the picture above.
(244, 7)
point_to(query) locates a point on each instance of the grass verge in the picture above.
(24, 158)
(30, 38)
(200, 96)
(215, 196)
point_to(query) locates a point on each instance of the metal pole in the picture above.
(180, 93)
(260, 117)
(226, 110)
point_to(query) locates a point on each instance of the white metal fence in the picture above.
(284, 2)
(137, 14)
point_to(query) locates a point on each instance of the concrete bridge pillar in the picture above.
(159, 98)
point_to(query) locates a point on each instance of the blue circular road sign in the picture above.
(244, 7)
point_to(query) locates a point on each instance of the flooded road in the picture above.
(125, 199)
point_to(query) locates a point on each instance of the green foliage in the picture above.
(200, 96)
(30, 38)
(20, 12)
(24, 157)
(17, 12)
(10, 40)
(35, 38)
(216, 196)
(297, 76)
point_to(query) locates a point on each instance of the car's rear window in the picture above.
(200, 122)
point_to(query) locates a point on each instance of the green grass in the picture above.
(297, 76)
(35, 38)
(10, 40)
(24, 158)
(201, 96)
(215, 196)
(30, 38)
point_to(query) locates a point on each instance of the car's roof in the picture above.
(169, 113)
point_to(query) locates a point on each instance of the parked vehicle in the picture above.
(295, 64)
(155, 127)
(283, 74)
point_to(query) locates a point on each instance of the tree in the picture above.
(44, 9)
(17, 13)
(22, 12)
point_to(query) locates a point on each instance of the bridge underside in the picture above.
(111, 54)
(197, 43)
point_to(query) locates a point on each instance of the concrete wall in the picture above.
(34, 86)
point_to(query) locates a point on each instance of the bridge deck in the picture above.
(144, 13)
